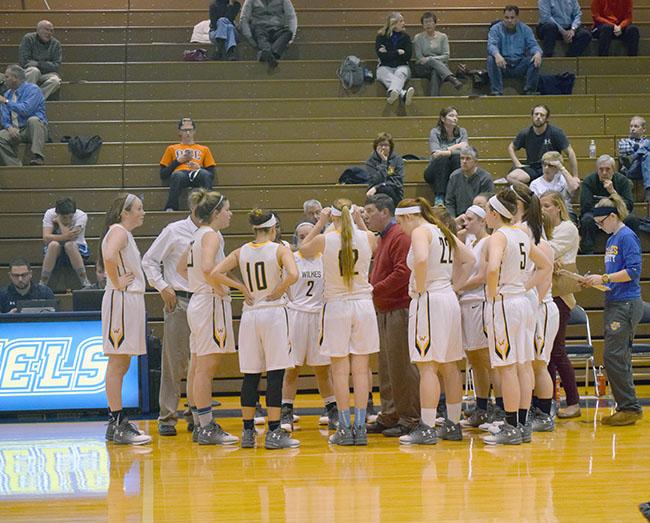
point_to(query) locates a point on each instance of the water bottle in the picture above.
(592, 149)
(601, 382)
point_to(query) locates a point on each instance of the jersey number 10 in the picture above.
(260, 276)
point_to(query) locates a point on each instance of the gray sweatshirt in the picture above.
(269, 14)
(48, 55)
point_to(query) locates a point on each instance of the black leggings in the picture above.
(249, 394)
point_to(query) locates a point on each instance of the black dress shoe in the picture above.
(375, 428)
(396, 431)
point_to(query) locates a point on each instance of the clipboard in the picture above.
(578, 277)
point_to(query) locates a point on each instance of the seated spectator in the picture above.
(23, 118)
(601, 184)
(446, 140)
(513, 52)
(311, 210)
(21, 287)
(536, 140)
(393, 47)
(562, 19)
(613, 19)
(556, 178)
(385, 169)
(270, 27)
(186, 164)
(431, 49)
(40, 55)
(64, 229)
(634, 154)
(223, 33)
(467, 182)
(100, 275)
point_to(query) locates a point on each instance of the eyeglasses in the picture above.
(186, 130)
(21, 276)
(601, 220)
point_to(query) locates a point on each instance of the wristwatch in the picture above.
(605, 278)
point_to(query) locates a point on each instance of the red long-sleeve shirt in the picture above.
(612, 12)
(390, 275)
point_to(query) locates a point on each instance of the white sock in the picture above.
(329, 399)
(428, 416)
(290, 402)
(453, 411)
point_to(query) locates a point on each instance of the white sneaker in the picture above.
(408, 96)
(392, 97)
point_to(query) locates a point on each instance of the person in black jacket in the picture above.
(222, 28)
(385, 169)
(393, 47)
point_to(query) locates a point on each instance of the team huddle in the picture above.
(486, 297)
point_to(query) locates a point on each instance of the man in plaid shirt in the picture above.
(633, 154)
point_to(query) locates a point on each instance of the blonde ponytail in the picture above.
(346, 260)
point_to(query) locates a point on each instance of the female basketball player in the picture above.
(349, 332)
(435, 258)
(268, 270)
(123, 312)
(305, 307)
(209, 314)
(507, 307)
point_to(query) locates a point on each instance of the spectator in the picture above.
(394, 48)
(269, 26)
(613, 19)
(446, 140)
(633, 154)
(311, 210)
(223, 33)
(64, 229)
(23, 118)
(40, 55)
(562, 19)
(536, 140)
(398, 378)
(467, 182)
(556, 178)
(602, 184)
(512, 52)
(100, 275)
(385, 169)
(186, 164)
(21, 286)
(431, 50)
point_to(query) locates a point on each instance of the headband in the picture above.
(268, 223)
(476, 210)
(414, 209)
(335, 212)
(604, 211)
(512, 188)
(218, 203)
(496, 204)
(130, 198)
(303, 223)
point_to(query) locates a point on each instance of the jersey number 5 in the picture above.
(355, 255)
(522, 251)
(260, 276)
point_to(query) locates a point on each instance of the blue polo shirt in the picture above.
(623, 251)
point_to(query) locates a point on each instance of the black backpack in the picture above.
(351, 73)
(556, 83)
(83, 147)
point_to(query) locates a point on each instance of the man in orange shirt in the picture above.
(186, 164)
(613, 19)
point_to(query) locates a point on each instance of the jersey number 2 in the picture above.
(445, 257)
(260, 276)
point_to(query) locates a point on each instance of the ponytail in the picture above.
(346, 260)
(429, 214)
(615, 200)
(532, 209)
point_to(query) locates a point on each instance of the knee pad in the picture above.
(249, 394)
(274, 388)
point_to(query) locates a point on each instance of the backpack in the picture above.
(556, 83)
(351, 73)
(83, 147)
(195, 55)
(354, 175)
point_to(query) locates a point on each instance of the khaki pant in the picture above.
(48, 82)
(399, 381)
(35, 133)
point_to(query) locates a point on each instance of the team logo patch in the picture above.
(615, 325)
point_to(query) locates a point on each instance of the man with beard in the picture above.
(21, 287)
(538, 139)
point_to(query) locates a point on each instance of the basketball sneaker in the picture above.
(127, 433)
(343, 436)
(280, 439)
(260, 414)
(213, 434)
(475, 419)
(506, 435)
(286, 419)
(526, 431)
(248, 438)
(450, 431)
(542, 422)
(112, 425)
(360, 436)
(422, 434)
(324, 418)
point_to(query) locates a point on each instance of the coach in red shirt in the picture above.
(613, 19)
(398, 377)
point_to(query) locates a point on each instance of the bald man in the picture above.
(40, 55)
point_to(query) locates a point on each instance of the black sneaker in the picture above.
(397, 431)
(376, 428)
(360, 436)
(450, 431)
(167, 430)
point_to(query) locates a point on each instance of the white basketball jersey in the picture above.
(512, 273)
(261, 272)
(439, 261)
(307, 293)
(335, 287)
(195, 277)
(479, 292)
(129, 261)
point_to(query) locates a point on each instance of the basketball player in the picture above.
(209, 315)
(435, 257)
(508, 308)
(305, 307)
(268, 270)
(349, 332)
(123, 311)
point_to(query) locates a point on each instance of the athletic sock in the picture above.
(544, 405)
(428, 416)
(195, 415)
(249, 424)
(287, 404)
(534, 402)
(329, 405)
(204, 415)
(329, 400)
(116, 415)
(523, 414)
(359, 417)
(499, 402)
(481, 403)
(453, 411)
(274, 425)
(344, 418)
(511, 418)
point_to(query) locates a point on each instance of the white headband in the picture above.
(499, 207)
(476, 210)
(303, 223)
(401, 211)
(512, 188)
(335, 212)
(268, 223)
(130, 198)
